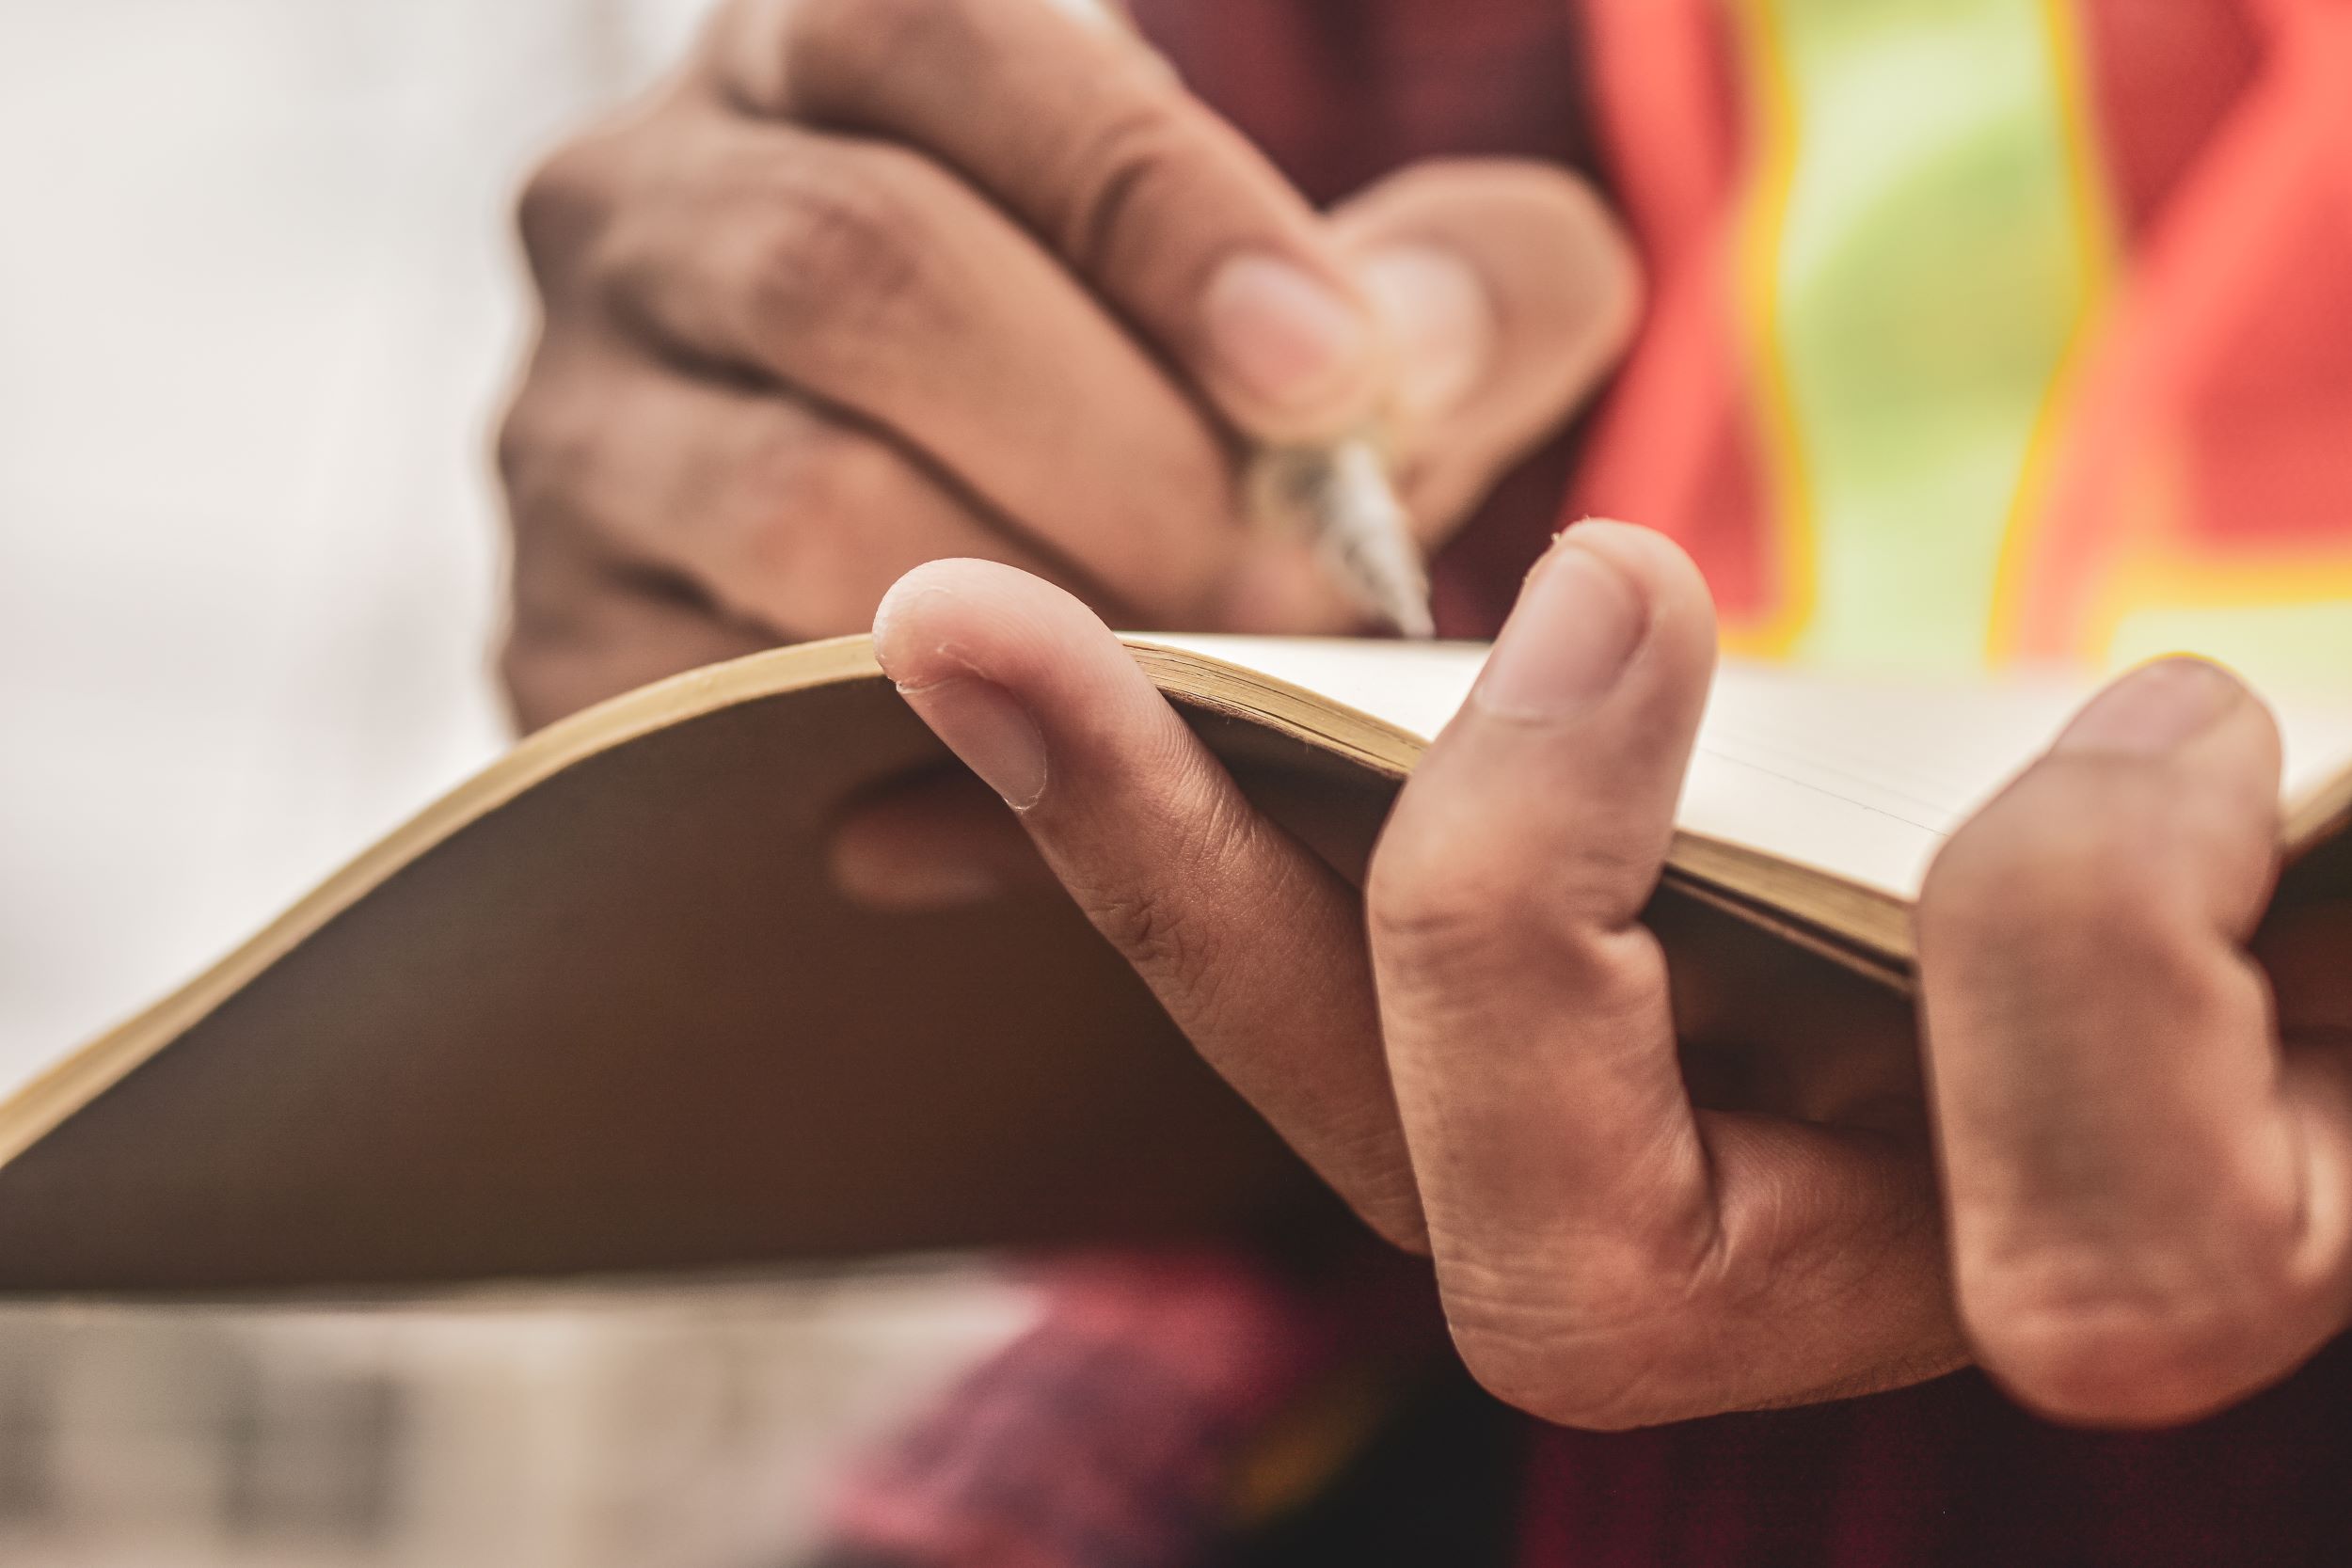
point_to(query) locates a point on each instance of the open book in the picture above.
(599, 1009)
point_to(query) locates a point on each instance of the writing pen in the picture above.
(1338, 495)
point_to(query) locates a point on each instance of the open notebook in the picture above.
(1823, 798)
(599, 1009)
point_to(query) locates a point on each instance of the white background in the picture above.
(258, 307)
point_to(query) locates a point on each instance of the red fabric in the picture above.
(1104, 1433)
(1116, 1431)
(1340, 92)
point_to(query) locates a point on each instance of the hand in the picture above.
(873, 283)
(1654, 1193)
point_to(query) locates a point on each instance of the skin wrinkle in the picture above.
(1142, 143)
(1659, 1339)
(1843, 1266)
(1204, 857)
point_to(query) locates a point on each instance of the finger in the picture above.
(1508, 292)
(1526, 1009)
(2149, 1203)
(875, 281)
(585, 627)
(1608, 1255)
(1254, 945)
(784, 516)
(1093, 146)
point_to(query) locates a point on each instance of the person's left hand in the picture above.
(1650, 1199)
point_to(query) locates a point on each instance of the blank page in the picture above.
(1861, 779)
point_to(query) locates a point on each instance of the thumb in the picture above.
(1508, 291)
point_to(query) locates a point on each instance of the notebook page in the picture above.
(1864, 780)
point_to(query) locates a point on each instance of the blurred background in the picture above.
(258, 306)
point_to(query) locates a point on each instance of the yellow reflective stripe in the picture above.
(2283, 622)
(1773, 134)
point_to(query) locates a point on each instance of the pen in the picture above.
(1339, 496)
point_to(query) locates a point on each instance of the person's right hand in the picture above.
(872, 282)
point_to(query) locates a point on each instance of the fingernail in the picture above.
(2154, 710)
(1286, 337)
(1438, 318)
(1578, 622)
(994, 735)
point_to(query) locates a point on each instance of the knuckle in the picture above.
(523, 443)
(1603, 1380)
(1616, 1335)
(1116, 173)
(1446, 911)
(841, 251)
(1452, 879)
(542, 448)
(837, 50)
(1522, 1376)
(2139, 1336)
(1431, 898)
(1425, 913)
(563, 206)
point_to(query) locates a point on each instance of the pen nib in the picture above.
(1341, 496)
